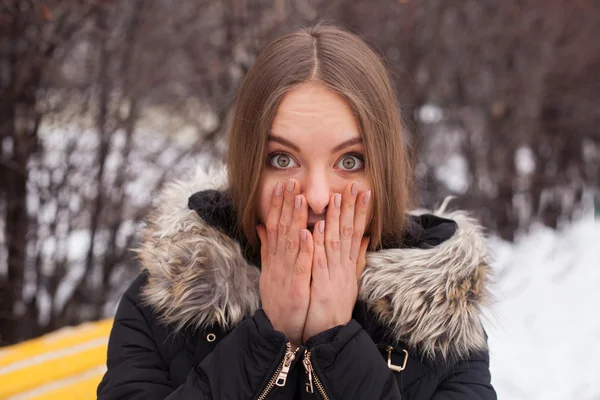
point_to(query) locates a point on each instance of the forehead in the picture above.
(312, 112)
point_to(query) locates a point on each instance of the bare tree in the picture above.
(102, 101)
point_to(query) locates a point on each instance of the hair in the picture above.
(344, 63)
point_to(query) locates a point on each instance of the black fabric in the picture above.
(147, 360)
(323, 337)
(423, 232)
(351, 367)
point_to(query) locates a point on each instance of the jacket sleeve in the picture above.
(239, 366)
(351, 367)
(468, 379)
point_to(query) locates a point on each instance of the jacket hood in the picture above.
(428, 292)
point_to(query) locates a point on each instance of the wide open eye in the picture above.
(282, 161)
(350, 162)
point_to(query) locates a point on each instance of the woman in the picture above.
(265, 289)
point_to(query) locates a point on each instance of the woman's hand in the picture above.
(339, 252)
(287, 256)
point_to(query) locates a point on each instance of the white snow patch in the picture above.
(524, 160)
(453, 173)
(430, 114)
(544, 340)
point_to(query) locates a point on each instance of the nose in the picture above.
(317, 192)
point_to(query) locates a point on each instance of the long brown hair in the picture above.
(344, 63)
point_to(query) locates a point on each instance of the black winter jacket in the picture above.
(190, 326)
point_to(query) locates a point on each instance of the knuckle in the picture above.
(347, 231)
(300, 268)
(272, 227)
(283, 228)
(321, 262)
(291, 244)
(334, 244)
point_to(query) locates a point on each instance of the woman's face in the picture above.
(314, 139)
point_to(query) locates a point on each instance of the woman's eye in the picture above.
(350, 163)
(282, 161)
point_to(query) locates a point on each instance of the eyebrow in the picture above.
(341, 146)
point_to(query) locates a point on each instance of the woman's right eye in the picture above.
(282, 161)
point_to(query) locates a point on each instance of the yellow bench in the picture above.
(65, 364)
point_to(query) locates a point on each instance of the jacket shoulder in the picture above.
(134, 311)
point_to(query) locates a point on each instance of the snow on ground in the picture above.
(544, 331)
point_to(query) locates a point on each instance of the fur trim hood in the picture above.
(430, 297)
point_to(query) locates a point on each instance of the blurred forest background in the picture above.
(102, 101)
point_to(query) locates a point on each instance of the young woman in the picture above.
(305, 276)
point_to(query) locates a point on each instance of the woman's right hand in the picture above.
(286, 254)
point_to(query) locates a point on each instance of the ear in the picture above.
(362, 257)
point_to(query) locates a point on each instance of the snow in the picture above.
(524, 160)
(430, 114)
(544, 328)
(453, 173)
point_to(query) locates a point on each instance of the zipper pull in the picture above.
(287, 363)
(308, 367)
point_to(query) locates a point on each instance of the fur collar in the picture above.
(428, 298)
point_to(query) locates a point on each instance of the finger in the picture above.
(332, 232)
(285, 221)
(272, 222)
(362, 258)
(299, 218)
(303, 266)
(347, 219)
(361, 214)
(262, 236)
(320, 271)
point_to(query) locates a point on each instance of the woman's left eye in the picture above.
(350, 162)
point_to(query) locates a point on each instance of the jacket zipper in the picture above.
(312, 377)
(280, 376)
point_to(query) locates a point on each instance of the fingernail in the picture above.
(354, 189)
(278, 189)
(303, 235)
(321, 226)
(298, 201)
(337, 200)
(290, 186)
(367, 197)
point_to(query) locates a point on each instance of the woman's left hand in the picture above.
(338, 260)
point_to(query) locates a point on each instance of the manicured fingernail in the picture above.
(366, 197)
(321, 226)
(290, 186)
(354, 189)
(298, 201)
(278, 189)
(303, 235)
(337, 200)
